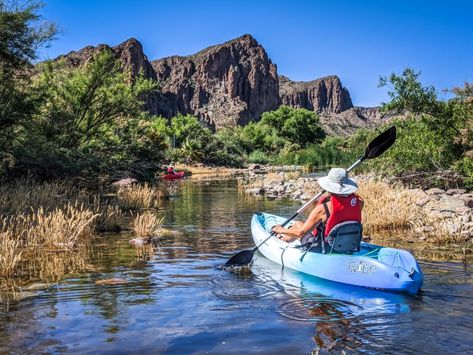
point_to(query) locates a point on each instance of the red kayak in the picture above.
(175, 176)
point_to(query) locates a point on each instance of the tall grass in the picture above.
(147, 225)
(134, 197)
(110, 217)
(25, 195)
(10, 253)
(388, 208)
(60, 229)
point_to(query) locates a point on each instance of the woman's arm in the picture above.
(298, 230)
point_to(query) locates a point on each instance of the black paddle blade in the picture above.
(242, 258)
(381, 143)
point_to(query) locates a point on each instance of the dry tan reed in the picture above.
(147, 225)
(388, 208)
(25, 194)
(10, 254)
(390, 211)
(45, 221)
(59, 229)
(134, 197)
(110, 217)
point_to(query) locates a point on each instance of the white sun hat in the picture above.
(338, 182)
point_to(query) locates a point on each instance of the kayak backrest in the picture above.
(345, 236)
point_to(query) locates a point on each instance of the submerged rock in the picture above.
(142, 241)
(110, 282)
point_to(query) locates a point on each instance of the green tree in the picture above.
(81, 103)
(408, 94)
(22, 33)
(87, 118)
(226, 148)
(298, 126)
(187, 126)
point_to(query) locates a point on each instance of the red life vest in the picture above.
(344, 208)
(170, 170)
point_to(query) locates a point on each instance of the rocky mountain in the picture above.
(346, 122)
(320, 95)
(331, 101)
(228, 84)
(130, 53)
(232, 84)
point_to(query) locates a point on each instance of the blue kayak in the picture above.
(373, 266)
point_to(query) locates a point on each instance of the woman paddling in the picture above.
(340, 204)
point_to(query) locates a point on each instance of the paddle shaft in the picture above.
(307, 204)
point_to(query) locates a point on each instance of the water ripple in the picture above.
(315, 309)
(238, 289)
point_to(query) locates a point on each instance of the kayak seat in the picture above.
(345, 237)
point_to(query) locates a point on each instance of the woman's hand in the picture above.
(277, 229)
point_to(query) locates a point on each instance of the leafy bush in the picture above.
(298, 126)
(418, 148)
(465, 168)
(258, 157)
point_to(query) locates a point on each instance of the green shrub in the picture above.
(258, 157)
(418, 148)
(465, 168)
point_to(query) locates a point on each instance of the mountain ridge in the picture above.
(233, 83)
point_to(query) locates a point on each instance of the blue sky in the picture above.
(358, 40)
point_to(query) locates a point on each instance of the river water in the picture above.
(178, 300)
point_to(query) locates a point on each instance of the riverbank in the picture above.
(440, 217)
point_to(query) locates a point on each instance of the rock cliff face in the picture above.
(228, 84)
(320, 95)
(130, 53)
(331, 101)
(232, 84)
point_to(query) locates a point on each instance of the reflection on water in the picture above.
(176, 299)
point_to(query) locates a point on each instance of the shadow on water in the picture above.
(178, 301)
